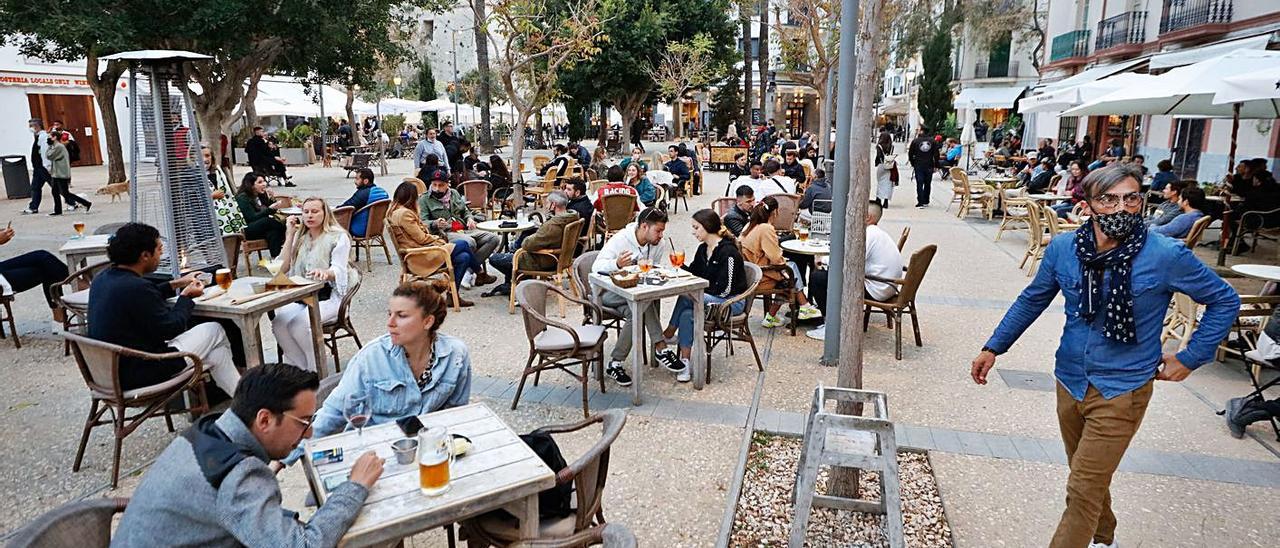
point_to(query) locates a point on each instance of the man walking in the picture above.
(923, 155)
(39, 164)
(1117, 279)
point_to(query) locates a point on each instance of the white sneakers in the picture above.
(1114, 544)
(683, 374)
(468, 280)
(818, 334)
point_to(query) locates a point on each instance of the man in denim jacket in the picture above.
(1117, 279)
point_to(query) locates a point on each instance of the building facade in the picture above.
(791, 105)
(988, 79)
(1091, 39)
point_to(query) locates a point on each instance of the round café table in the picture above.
(291, 211)
(1266, 272)
(807, 247)
(1048, 197)
(495, 226)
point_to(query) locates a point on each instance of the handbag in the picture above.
(893, 174)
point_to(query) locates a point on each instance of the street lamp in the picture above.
(397, 81)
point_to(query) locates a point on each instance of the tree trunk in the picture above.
(844, 481)
(517, 144)
(482, 66)
(104, 93)
(764, 58)
(537, 131)
(602, 137)
(746, 70)
(676, 124)
(629, 107)
(824, 112)
(351, 115)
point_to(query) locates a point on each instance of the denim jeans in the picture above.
(682, 315)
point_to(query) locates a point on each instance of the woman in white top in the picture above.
(317, 248)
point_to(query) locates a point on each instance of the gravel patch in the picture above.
(763, 516)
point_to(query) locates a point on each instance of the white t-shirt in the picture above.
(768, 186)
(883, 260)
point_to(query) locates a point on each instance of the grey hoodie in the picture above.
(212, 487)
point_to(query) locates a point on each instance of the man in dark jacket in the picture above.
(736, 218)
(548, 238)
(923, 155)
(261, 158)
(576, 190)
(792, 168)
(127, 309)
(452, 147)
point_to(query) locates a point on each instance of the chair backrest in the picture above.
(754, 275)
(361, 160)
(476, 192)
(109, 228)
(99, 362)
(343, 216)
(619, 209)
(902, 240)
(377, 217)
(353, 286)
(915, 273)
(788, 211)
(1049, 219)
(231, 243)
(568, 245)
(549, 180)
(1197, 231)
(540, 160)
(723, 205)
(593, 186)
(327, 385)
(531, 295)
(79, 524)
(590, 471)
(580, 276)
(422, 186)
(959, 179)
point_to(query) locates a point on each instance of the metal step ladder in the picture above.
(862, 441)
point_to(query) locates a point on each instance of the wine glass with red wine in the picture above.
(358, 412)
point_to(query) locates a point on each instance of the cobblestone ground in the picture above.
(998, 464)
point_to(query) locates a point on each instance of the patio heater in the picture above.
(168, 186)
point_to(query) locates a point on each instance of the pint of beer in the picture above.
(435, 459)
(223, 278)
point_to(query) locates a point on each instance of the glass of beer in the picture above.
(223, 278)
(435, 460)
(79, 226)
(803, 233)
(677, 259)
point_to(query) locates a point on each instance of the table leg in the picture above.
(506, 243)
(698, 355)
(530, 527)
(317, 335)
(637, 350)
(251, 337)
(1224, 238)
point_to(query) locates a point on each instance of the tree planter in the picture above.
(295, 156)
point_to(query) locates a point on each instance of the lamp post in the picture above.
(454, 41)
(396, 81)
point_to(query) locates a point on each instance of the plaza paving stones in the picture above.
(995, 450)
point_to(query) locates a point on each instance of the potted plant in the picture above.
(291, 148)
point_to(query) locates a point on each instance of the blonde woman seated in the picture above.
(759, 242)
(409, 232)
(316, 248)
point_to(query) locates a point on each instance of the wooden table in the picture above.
(496, 227)
(79, 250)
(807, 247)
(638, 298)
(1267, 272)
(499, 471)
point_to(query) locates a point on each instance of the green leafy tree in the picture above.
(935, 83)
(810, 51)
(681, 67)
(469, 89)
(727, 103)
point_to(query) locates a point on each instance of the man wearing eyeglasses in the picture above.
(213, 487)
(1117, 279)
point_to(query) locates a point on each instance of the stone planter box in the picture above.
(296, 156)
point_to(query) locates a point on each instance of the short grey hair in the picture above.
(875, 211)
(558, 200)
(1099, 181)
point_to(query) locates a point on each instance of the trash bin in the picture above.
(17, 182)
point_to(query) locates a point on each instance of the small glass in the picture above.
(358, 411)
(223, 278)
(521, 216)
(79, 227)
(435, 460)
(645, 265)
(677, 259)
(803, 234)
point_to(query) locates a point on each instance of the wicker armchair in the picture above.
(563, 257)
(589, 474)
(373, 233)
(905, 301)
(79, 524)
(99, 364)
(611, 535)
(427, 264)
(788, 212)
(556, 345)
(580, 276)
(72, 296)
(722, 325)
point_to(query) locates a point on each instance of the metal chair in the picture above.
(562, 256)
(79, 524)
(1259, 228)
(905, 301)
(99, 364)
(373, 233)
(721, 325)
(358, 161)
(588, 473)
(556, 345)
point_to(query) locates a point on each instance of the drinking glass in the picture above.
(358, 411)
(79, 226)
(803, 233)
(435, 460)
(223, 278)
(677, 259)
(645, 265)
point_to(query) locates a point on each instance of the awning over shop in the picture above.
(1002, 97)
(1195, 55)
(283, 96)
(1090, 74)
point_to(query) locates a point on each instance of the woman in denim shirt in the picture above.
(412, 370)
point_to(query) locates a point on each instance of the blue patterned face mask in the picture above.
(1119, 225)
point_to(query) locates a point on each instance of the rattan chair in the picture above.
(373, 233)
(428, 264)
(788, 212)
(723, 205)
(974, 196)
(540, 160)
(1180, 321)
(476, 192)
(417, 183)
(905, 301)
(231, 244)
(1016, 211)
(99, 364)
(902, 240)
(619, 210)
(342, 215)
(556, 345)
(80, 524)
(1197, 231)
(580, 276)
(588, 473)
(610, 535)
(721, 325)
(249, 247)
(563, 257)
(71, 295)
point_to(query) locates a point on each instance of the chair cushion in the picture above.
(78, 300)
(155, 389)
(500, 525)
(557, 339)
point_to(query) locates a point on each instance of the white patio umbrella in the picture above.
(1260, 85)
(1065, 98)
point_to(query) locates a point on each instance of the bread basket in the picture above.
(625, 280)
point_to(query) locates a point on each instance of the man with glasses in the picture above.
(213, 486)
(1117, 280)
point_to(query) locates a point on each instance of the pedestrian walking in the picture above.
(39, 164)
(60, 178)
(923, 156)
(1117, 280)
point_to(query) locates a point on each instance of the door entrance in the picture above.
(79, 117)
(1188, 139)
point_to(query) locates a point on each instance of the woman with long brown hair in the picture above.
(760, 245)
(409, 232)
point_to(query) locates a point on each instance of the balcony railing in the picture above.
(1126, 28)
(1068, 45)
(986, 70)
(1185, 14)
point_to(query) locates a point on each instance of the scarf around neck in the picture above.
(1116, 299)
